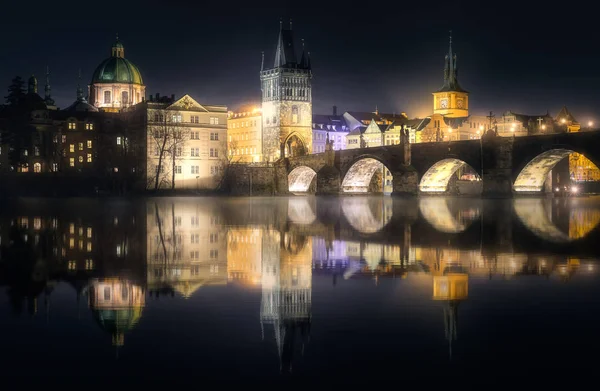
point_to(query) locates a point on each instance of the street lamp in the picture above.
(590, 124)
(449, 133)
(544, 127)
(480, 131)
(563, 120)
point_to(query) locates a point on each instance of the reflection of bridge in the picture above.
(506, 165)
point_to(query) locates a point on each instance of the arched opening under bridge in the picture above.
(368, 175)
(300, 179)
(534, 177)
(465, 180)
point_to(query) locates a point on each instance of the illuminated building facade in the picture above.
(451, 100)
(244, 135)
(116, 83)
(244, 255)
(186, 247)
(332, 127)
(286, 102)
(185, 142)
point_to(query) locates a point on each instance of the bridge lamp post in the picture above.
(512, 129)
(480, 131)
(449, 133)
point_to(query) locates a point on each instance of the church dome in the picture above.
(117, 70)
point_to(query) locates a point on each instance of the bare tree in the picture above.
(178, 141)
(228, 159)
(164, 137)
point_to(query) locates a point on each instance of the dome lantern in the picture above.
(117, 49)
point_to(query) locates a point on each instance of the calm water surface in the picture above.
(354, 286)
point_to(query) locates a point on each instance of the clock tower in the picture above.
(451, 100)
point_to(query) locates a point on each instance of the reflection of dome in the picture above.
(117, 306)
(117, 70)
(118, 321)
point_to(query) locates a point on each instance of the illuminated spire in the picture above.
(79, 89)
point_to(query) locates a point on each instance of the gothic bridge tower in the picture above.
(286, 101)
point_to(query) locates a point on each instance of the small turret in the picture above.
(32, 85)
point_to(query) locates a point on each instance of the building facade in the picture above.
(286, 102)
(329, 127)
(186, 142)
(116, 83)
(245, 135)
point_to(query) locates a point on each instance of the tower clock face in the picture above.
(460, 103)
(444, 103)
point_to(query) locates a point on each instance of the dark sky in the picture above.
(524, 56)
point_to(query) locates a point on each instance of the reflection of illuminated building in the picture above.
(186, 247)
(286, 290)
(244, 255)
(451, 287)
(117, 305)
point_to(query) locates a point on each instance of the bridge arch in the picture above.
(367, 215)
(448, 216)
(535, 214)
(361, 176)
(532, 177)
(300, 179)
(437, 177)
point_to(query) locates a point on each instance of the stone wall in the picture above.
(251, 180)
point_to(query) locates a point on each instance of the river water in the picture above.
(341, 287)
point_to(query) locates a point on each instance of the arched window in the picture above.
(107, 97)
(124, 97)
(37, 167)
(295, 116)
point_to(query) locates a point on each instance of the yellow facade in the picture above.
(451, 104)
(244, 255)
(244, 135)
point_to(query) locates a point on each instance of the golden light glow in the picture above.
(480, 127)
(591, 123)
(563, 120)
(543, 127)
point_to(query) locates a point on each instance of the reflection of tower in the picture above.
(117, 306)
(286, 291)
(451, 287)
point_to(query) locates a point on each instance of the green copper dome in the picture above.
(117, 70)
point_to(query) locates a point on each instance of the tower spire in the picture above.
(262, 61)
(303, 59)
(79, 90)
(47, 89)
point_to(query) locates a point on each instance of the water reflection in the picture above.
(127, 258)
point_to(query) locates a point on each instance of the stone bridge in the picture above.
(505, 166)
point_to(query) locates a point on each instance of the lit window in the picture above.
(89, 264)
(71, 243)
(118, 140)
(55, 167)
(64, 138)
(36, 151)
(72, 265)
(81, 244)
(89, 126)
(72, 125)
(89, 247)
(81, 146)
(89, 143)
(177, 169)
(89, 232)
(80, 159)
(214, 120)
(80, 231)
(89, 157)
(116, 169)
(37, 167)
(72, 162)
(118, 250)
(72, 229)
(37, 223)
(214, 152)
(72, 148)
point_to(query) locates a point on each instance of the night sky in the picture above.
(528, 58)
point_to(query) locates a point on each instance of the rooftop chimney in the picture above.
(334, 110)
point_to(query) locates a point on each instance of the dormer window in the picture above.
(72, 126)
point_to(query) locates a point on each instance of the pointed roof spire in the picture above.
(285, 53)
(450, 71)
(262, 60)
(308, 64)
(303, 59)
(47, 89)
(79, 89)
